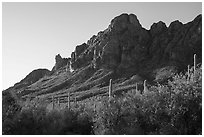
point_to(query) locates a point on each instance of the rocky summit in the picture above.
(128, 47)
(125, 52)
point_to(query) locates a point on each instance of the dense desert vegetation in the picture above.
(171, 107)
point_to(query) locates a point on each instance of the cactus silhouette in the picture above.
(110, 88)
(58, 100)
(145, 87)
(68, 100)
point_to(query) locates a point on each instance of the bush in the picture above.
(35, 120)
(10, 107)
(187, 103)
(174, 108)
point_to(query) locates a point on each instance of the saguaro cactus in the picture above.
(68, 100)
(58, 100)
(145, 87)
(94, 107)
(194, 66)
(110, 88)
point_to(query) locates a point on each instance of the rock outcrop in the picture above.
(178, 44)
(77, 57)
(60, 62)
(125, 52)
(112, 46)
(126, 46)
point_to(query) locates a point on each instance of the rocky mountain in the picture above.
(125, 46)
(125, 52)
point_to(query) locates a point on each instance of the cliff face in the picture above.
(126, 46)
(125, 52)
(178, 43)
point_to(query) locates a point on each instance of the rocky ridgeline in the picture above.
(128, 47)
(125, 52)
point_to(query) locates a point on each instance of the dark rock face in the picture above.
(80, 48)
(77, 58)
(158, 28)
(125, 34)
(60, 62)
(126, 46)
(183, 41)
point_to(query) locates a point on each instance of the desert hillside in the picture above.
(124, 80)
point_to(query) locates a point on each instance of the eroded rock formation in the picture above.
(126, 46)
(60, 62)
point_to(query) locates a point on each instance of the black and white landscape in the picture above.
(125, 80)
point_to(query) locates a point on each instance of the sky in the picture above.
(33, 33)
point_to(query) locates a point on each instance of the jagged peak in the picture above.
(59, 62)
(125, 31)
(133, 20)
(122, 21)
(159, 24)
(175, 22)
(57, 57)
(175, 25)
(158, 28)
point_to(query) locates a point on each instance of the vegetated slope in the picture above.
(125, 52)
(31, 78)
(173, 108)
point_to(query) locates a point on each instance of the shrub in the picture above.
(36, 120)
(174, 108)
(187, 103)
(10, 108)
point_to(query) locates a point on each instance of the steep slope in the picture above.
(127, 47)
(125, 52)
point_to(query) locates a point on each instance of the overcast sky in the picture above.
(33, 33)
